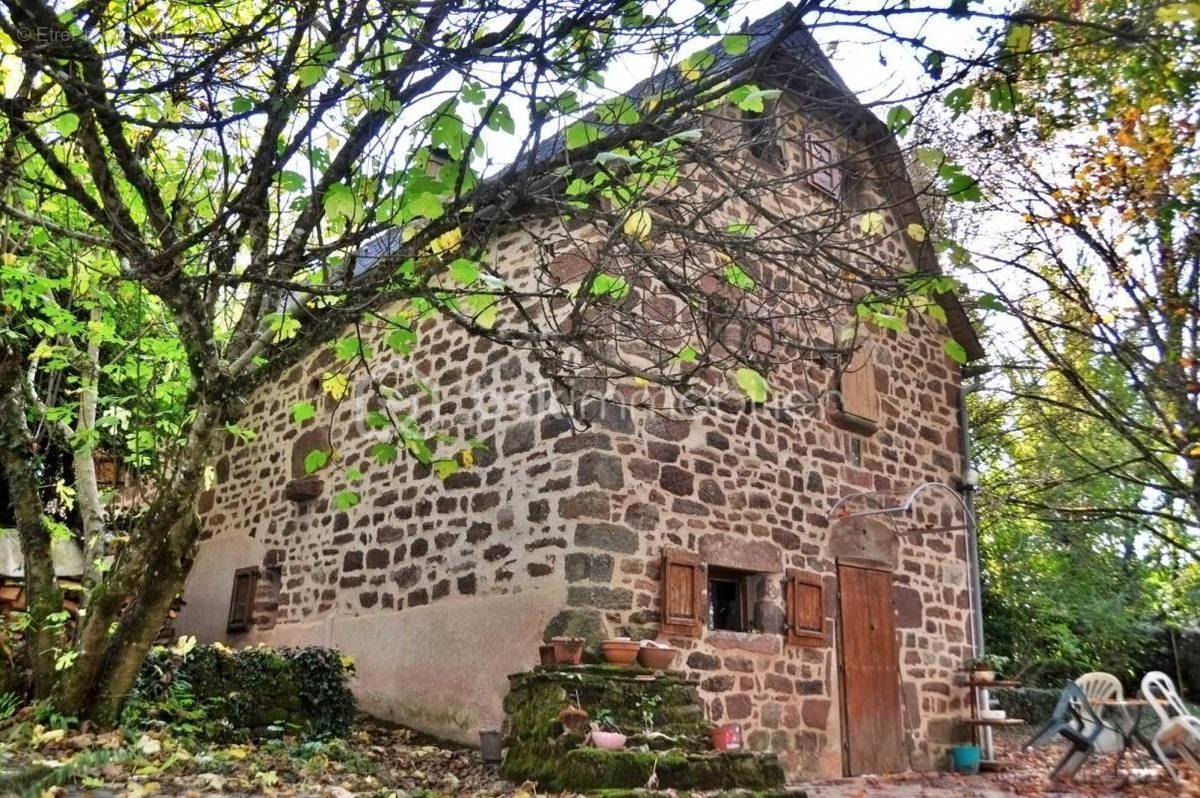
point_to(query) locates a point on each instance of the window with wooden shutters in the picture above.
(805, 598)
(241, 604)
(824, 170)
(683, 609)
(859, 395)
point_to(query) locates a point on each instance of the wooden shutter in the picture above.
(824, 171)
(241, 603)
(860, 397)
(805, 596)
(683, 610)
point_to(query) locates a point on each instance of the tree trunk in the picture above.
(140, 625)
(137, 593)
(19, 462)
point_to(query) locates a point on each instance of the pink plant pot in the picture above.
(608, 741)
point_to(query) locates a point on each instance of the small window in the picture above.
(241, 603)
(825, 172)
(732, 596)
(763, 137)
(859, 392)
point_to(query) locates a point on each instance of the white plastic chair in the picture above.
(1098, 688)
(1178, 728)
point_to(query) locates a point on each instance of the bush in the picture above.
(1032, 704)
(215, 692)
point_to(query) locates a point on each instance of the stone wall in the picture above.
(560, 522)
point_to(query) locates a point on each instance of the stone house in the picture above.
(833, 642)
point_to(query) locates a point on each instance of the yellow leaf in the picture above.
(916, 232)
(1178, 12)
(448, 241)
(40, 738)
(871, 223)
(638, 224)
(467, 458)
(335, 385)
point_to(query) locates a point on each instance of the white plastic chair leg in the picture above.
(1162, 757)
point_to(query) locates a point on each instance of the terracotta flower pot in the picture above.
(568, 650)
(621, 652)
(609, 741)
(727, 737)
(574, 720)
(546, 654)
(983, 676)
(655, 658)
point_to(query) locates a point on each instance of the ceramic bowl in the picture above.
(656, 658)
(608, 741)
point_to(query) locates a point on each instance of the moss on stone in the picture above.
(538, 750)
(590, 768)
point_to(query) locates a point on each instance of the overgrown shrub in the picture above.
(212, 691)
(1032, 704)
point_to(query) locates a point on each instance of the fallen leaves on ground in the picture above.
(379, 761)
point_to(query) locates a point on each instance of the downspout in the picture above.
(968, 490)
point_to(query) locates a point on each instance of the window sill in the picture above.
(756, 642)
(852, 422)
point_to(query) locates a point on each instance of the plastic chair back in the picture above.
(1159, 691)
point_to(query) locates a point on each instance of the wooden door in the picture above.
(870, 671)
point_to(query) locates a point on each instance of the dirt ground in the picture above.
(1134, 776)
(386, 762)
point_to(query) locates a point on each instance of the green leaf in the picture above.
(687, 355)
(737, 277)
(501, 119)
(383, 453)
(959, 100)
(464, 271)
(613, 285)
(445, 468)
(349, 348)
(401, 340)
(303, 411)
(345, 499)
(424, 204)
(242, 105)
(311, 74)
(291, 181)
(955, 350)
(581, 134)
(753, 384)
(736, 43)
(340, 202)
(899, 118)
(1019, 38)
(694, 66)
(315, 460)
(1177, 12)
(991, 302)
(66, 124)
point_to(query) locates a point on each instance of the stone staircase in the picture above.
(660, 711)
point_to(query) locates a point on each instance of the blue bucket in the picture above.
(965, 758)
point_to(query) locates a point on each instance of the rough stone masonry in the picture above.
(441, 588)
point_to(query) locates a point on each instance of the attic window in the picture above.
(823, 165)
(762, 136)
